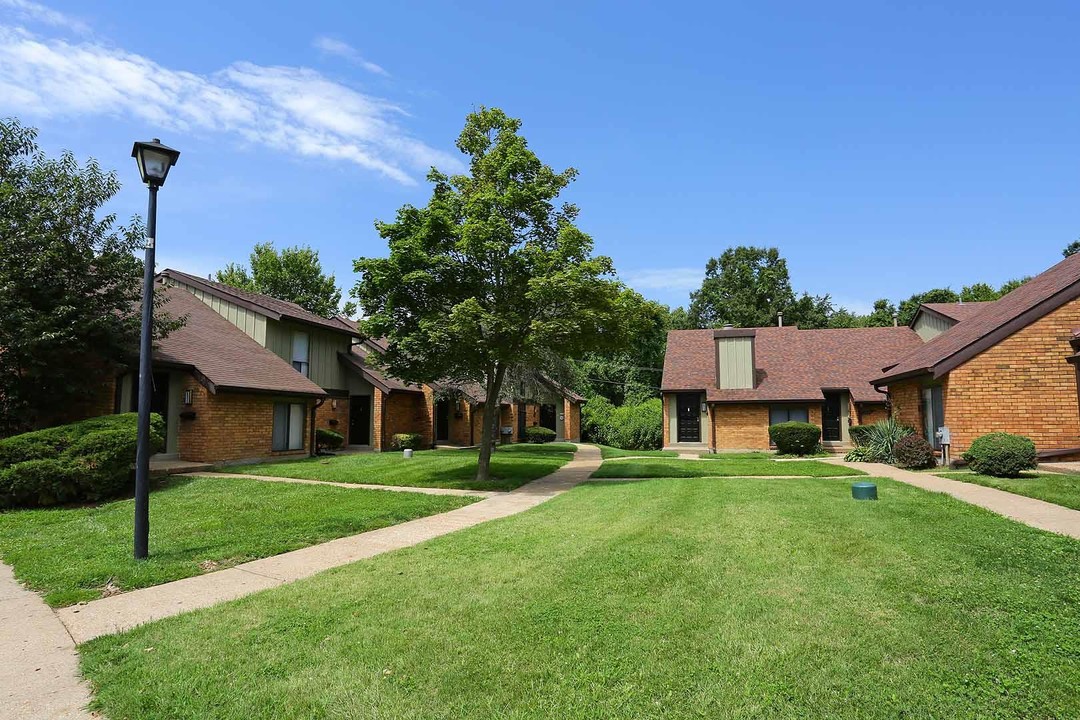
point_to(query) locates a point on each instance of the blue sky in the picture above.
(884, 148)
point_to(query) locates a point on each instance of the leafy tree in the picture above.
(679, 319)
(883, 314)
(810, 312)
(70, 283)
(293, 274)
(978, 292)
(909, 307)
(491, 277)
(1011, 285)
(1072, 248)
(745, 286)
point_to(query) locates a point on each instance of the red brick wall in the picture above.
(326, 413)
(907, 403)
(743, 426)
(401, 412)
(230, 426)
(870, 413)
(378, 401)
(572, 420)
(460, 426)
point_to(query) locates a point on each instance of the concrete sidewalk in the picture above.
(39, 669)
(127, 610)
(1036, 513)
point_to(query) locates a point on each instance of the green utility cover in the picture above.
(864, 491)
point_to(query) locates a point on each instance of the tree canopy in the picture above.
(70, 283)
(491, 277)
(294, 274)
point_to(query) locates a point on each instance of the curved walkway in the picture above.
(1036, 513)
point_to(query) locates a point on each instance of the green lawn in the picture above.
(609, 452)
(720, 467)
(673, 599)
(195, 525)
(511, 466)
(1058, 489)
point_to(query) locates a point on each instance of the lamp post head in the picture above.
(154, 160)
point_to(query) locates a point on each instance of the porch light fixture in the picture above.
(704, 408)
(333, 404)
(154, 160)
(188, 396)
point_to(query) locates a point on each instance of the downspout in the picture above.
(712, 429)
(311, 439)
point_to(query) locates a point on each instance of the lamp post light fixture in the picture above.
(154, 160)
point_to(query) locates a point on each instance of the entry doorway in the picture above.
(688, 428)
(360, 420)
(831, 412)
(547, 417)
(442, 421)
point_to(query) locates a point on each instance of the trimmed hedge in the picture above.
(538, 435)
(629, 427)
(1001, 455)
(795, 438)
(84, 461)
(406, 441)
(328, 439)
(914, 452)
(860, 434)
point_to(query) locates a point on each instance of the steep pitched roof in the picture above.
(356, 358)
(957, 311)
(271, 307)
(221, 355)
(991, 324)
(791, 364)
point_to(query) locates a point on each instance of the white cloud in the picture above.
(677, 279)
(342, 49)
(296, 110)
(33, 12)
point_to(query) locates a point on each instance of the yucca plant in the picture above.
(878, 441)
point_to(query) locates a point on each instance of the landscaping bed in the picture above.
(196, 525)
(720, 466)
(1060, 489)
(674, 599)
(511, 466)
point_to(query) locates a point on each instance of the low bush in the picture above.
(406, 441)
(877, 442)
(914, 452)
(89, 460)
(860, 433)
(629, 427)
(860, 453)
(328, 439)
(538, 435)
(1001, 455)
(795, 438)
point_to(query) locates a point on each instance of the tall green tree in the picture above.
(70, 283)
(491, 276)
(978, 292)
(294, 274)
(1071, 249)
(909, 307)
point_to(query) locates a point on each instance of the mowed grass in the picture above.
(608, 452)
(680, 598)
(196, 525)
(511, 466)
(1056, 488)
(720, 467)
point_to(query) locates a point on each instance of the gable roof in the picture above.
(221, 355)
(271, 307)
(356, 359)
(790, 364)
(957, 311)
(991, 324)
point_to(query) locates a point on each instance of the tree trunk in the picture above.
(491, 422)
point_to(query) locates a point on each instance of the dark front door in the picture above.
(830, 417)
(360, 420)
(442, 421)
(547, 417)
(521, 411)
(689, 417)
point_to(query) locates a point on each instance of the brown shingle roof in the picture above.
(791, 364)
(272, 307)
(992, 323)
(957, 311)
(224, 357)
(357, 359)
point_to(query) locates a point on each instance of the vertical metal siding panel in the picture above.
(260, 330)
(736, 362)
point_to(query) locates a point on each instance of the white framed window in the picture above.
(300, 353)
(288, 433)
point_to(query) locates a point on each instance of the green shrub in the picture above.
(1001, 455)
(88, 460)
(860, 453)
(795, 438)
(878, 441)
(406, 441)
(629, 427)
(538, 435)
(328, 439)
(913, 451)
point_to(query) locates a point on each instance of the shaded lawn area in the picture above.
(720, 467)
(70, 554)
(675, 599)
(511, 466)
(607, 452)
(1061, 490)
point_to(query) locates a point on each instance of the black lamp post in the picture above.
(154, 161)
